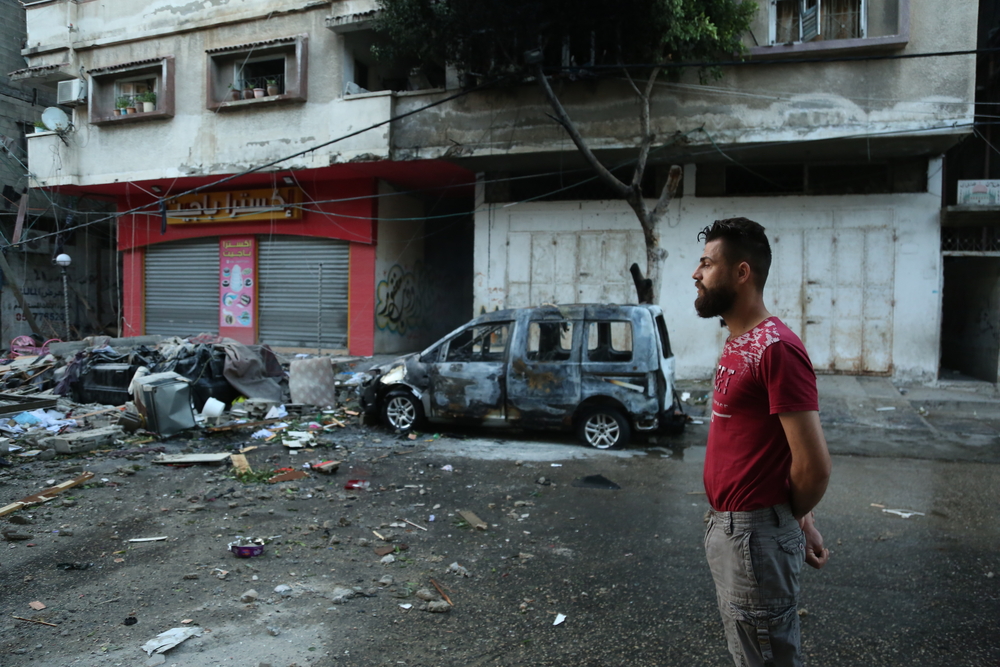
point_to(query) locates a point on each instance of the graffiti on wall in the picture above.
(401, 305)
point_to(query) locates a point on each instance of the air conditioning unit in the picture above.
(30, 242)
(72, 92)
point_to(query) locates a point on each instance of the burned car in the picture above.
(601, 370)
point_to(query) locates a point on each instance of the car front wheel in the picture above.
(401, 411)
(603, 428)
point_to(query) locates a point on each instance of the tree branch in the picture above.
(605, 175)
(669, 190)
(647, 133)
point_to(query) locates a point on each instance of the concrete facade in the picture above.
(562, 252)
(91, 277)
(853, 106)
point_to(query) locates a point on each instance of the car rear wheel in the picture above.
(603, 428)
(401, 411)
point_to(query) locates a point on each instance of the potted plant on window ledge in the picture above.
(120, 105)
(40, 127)
(272, 87)
(131, 108)
(148, 100)
(234, 91)
(247, 91)
(259, 92)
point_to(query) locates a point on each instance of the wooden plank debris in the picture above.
(240, 463)
(192, 458)
(473, 520)
(46, 495)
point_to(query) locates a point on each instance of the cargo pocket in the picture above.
(793, 543)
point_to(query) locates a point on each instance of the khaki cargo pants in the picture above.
(756, 558)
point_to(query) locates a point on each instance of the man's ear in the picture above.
(743, 273)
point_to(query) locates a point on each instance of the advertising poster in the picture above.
(237, 290)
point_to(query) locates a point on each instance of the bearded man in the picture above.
(767, 463)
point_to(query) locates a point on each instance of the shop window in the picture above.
(549, 341)
(132, 92)
(609, 341)
(261, 73)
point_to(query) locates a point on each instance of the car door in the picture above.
(543, 385)
(467, 380)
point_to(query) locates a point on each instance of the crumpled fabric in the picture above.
(247, 372)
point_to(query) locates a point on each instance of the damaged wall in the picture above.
(198, 140)
(869, 305)
(402, 292)
(785, 101)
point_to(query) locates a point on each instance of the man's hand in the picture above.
(816, 555)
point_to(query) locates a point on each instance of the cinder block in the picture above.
(85, 441)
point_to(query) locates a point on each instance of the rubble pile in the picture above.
(102, 393)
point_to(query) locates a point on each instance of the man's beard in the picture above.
(714, 302)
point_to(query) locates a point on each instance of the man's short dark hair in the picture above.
(743, 240)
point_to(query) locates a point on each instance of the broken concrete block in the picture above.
(85, 441)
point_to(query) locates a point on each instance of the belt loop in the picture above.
(728, 523)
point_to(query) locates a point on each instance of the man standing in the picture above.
(767, 463)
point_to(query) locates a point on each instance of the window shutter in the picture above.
(810, 20)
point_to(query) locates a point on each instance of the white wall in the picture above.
(502, 251)
(401, 290)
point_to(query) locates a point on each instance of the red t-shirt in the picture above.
(761, 374)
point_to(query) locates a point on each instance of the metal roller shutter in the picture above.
(290, 287)
(182, 288)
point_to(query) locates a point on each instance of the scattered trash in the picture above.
(455, 568)
(906, 514)
(36, 605)
(262, 434)
(473, 520)
(46, 495)
(447, 468)
(361, 484)
(685, 396)
(556, 465)
(596, 482)
(886, 409)
(149, 539)
(289, 476)
(406, 606)
(169, 459)
(249, 596)
(165, 641)
(31, 620)
(73, 566)
(325, 467)
(277, 412)
(130, 620)
(297, 439)
(247, 548)
(559, 619)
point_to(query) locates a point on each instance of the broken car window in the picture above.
(549, 341)
(609, 341)
(482, 343)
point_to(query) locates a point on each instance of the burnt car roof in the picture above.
(572, 311)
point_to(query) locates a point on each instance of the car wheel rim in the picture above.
(401, 413)
(602, 431)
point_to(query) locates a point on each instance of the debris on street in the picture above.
(165, 641)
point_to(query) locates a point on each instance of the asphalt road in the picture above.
(625, 567)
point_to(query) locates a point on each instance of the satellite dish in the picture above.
(55, 119)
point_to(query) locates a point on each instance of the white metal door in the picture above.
(834, 287)
(583, 267)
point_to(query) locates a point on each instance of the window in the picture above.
(549, 341)
(861, 178)
(260, 73)
(481, 343)
(807, 20)
(609, 341)
(132, 92)
(661, 328)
